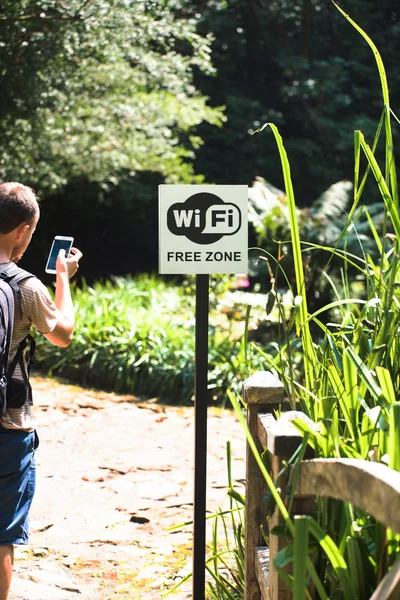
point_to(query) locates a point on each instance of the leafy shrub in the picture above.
(137, 335)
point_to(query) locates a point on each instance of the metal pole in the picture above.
(200, 453)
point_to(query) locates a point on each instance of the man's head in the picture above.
(19, 214)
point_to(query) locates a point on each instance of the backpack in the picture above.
(13, 392)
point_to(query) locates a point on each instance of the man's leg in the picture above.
(17, 486)
(6, 567)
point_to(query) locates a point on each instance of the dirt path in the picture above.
(114, 473)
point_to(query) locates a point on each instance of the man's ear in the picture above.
(21, 230)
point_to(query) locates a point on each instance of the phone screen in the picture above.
(58, 244)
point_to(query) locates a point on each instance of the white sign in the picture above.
(203, 229)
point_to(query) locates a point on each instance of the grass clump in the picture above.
(137, 335)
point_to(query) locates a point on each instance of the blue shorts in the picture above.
(17, 483)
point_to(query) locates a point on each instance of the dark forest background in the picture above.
(102, 101)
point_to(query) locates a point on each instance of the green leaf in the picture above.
(390, 162)
(308, 346)
(394, 437)
(271, 299)
(356, 566)
(301, 525)
(364, 373)
(335, 557)
(386, 384)
(337, 384)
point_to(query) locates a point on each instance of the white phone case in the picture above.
(60, 242)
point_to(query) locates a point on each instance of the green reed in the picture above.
(346, 376)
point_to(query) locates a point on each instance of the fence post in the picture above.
(262, 392)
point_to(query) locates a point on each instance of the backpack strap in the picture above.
(6, 326)
(9, 326)
(13, 275)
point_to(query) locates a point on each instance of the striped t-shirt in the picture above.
(39, 311)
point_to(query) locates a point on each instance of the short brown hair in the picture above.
(18, 204)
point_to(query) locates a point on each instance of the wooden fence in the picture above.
(368, 485)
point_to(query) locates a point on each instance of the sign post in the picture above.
(202, 230)
(200, 428)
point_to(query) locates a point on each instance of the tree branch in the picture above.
(84, 5)
(46, 17)
(41, 18)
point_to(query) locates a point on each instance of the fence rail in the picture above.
(370, 486)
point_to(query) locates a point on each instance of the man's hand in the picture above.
(66, 267)
(70, 265)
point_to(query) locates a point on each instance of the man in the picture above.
(19, 214)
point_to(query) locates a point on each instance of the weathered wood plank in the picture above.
(280, 436)
(282, 439)
(277, 588)
(266, 422)
(389, 587)
(263, 388)
(255, 514)
(371, 486)
(262, 391)
(262, 571)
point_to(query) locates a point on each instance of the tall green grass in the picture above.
(346, 377)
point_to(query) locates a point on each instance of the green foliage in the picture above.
(295, 64)
(324, 231)
(94, 87)
(137, 335)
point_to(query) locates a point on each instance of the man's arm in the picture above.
(66, 268)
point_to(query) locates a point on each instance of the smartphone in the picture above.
(60, 242)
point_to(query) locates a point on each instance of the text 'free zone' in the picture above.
(207, 256)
